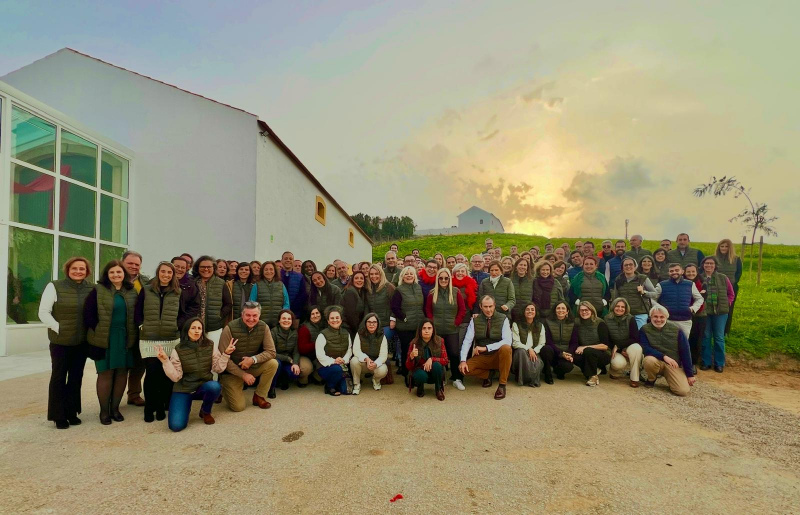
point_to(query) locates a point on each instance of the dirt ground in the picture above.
(732, 446)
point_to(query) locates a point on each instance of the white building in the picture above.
(131, 162)
(472, 220)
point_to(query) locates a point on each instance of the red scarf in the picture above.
(427, 279)
(470, 288)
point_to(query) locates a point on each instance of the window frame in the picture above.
(320, 202)
(351, 237)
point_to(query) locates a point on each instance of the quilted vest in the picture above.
(160, 322)
(664, 340)
(359, 309)
(240, 290)
(68, 312)
(524, 330)
(380, 304)
(392, 275)
(250, 340)
(592, 291)
(371, 346)
(501, 293)
(105, 307)
(716, 288)
(561, 331)
(495, 333)
(196, 363)
(725, 268)
(313, 330)
(270, 296)
(587, 332)
(412, 306)
(677, 297)
(638, 254)
(444, 313)
(618, 329)
(523, 288)
(214, 288)
(691, 256)
(628, 291)
(285, 341)
(336, 342)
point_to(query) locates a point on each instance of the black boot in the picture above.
(548, 373)
(271, 394)
(420, 391)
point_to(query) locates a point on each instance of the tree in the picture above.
(391, 227)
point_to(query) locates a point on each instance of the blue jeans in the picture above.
(334, 378)
(715, 326)
(181, 404)
(284, 370)
(390, 335)
(640, 320)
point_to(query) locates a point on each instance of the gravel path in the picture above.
(564, 448)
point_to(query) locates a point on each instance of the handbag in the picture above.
(148, 348)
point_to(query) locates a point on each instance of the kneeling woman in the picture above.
(623, 337)
(590, 352)
(292, 365)
(333, 353)
(190, 367)
(370, 351)
(427, 360)
(560, 334)
(527, 340)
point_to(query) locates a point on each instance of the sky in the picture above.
(564, 119)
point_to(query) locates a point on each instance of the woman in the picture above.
(439, 258)
(365, 268)
(560, 273)
(159, 313)
(255, 271)
(221, 270)
(527, 340)
(522, 279)
(446, 308)
(661, 265)
(271, 294)
(427, 360)
(291, 365)
(590, 351)
(333, 350)
(307, 334)
(242, 289)
(560, 333)
(108, 317)
(529, 258)
(61, 310)
(308, 267)
(547, 290)
(232, 268)
(191, 366)
(354, 302)
(330, 273)
(499, 288)
(507, 264)
(379, 299)
(729, 265)
(719, 297)
(648, 267)
(690, 273)
(324, 293)
(215, 298)
(407, 307)
(370, 352)
(623, 338)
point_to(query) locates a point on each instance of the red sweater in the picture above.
(413, 364)
(461, 307)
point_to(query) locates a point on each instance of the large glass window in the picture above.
(113, 219)
(30, 268)
(78, 158)
(77, 209)
(114, 174)
(33, 140)
(70, 248)
(108, 253)
(31, 196)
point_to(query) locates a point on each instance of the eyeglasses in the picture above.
(445, 279)
(372, 321)
(606, 246)
(205, 267)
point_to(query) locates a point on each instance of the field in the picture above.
(766, 322)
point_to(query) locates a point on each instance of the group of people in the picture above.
(208, 329)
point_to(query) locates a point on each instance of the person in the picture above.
(408, 260)
(527, 257)
(132, 263)
(690, 273)
(522, 280)
(684, 254)
(253, 357)
(108, 316)
(215, 298)
(255, 270)
(681, 298)
(460, 259)
(469, 291)
(427, 277)
(636, 289)
(560, 254)
(666, 353)
(233, 267)
(379, 298)
(307, 336)
(487, 260)
(408, 309)
(354, 303)
(190, 295)
(291, 365)
(588, 248)
(527, 340)
(323, 293)
(590, 285)
(477, 273)
(661, 264)
(189, 259)
(547, 290)
(512, 249)
(507, 264)
(393, 247)
(729, 265)
(576, 264)
(590, 352)
(330, 273)
(271, 294)
(370, 352)
(159, 313)
(427, 360)
(607, 264)
(191, 366)
(560, 335)
(342, 275)
(665, 244)
(308, 267)
(623, 338)
(636, 251)
(61, 311)
(415, 253)
(488, 243)
(450, 262)
(439, 258)
(242, 289)
(333, 350)
(221, 269)
(718, 299)
(579, 246)
(499, 288)
(488, 341)
(295, 286)
(445, 306)
(392, 271)
(560, 273)
(647, 267)
(535, 251)
(298, 266)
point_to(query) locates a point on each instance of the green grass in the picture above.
(767, 317)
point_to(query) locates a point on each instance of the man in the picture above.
(487, 344)
(487, 259)
(254, 357)
(295, 287)
(560, 254)
(666, 245)
(566, 248)
(667, 353)
(297, 266)
(548, 248)
(489, 243)
(393, 247)
(579, 245)
(535, 252)
(342, 275)
(637, 252)
(427, 277)
(450, 262)
(189, 259)
(513, 249)
(132, 263)
(477, 272)
(497, 253)
(390, 269)
(636, 289)
(684, 254)
(590, 285)
(415, 253)
(576, 263)
(190, 294)
(588, 248)
(409, 260)
(612, 266)
(681, 298)
(461, 258)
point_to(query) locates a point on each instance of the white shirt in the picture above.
(505, 339)
(324, 359)
(516, 343)
(49, 298)
(360, 356)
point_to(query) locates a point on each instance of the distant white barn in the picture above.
(472, 220)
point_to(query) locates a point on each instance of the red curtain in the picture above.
(47, 183)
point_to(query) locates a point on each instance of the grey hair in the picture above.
(658, 308)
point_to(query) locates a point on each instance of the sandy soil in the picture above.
(564, 448)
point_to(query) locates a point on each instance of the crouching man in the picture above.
(666, 352)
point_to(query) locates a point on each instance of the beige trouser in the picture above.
(306, 368)
(620, 363)
(676, 377)
(232, 385)
(357, 367)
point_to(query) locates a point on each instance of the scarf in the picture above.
(494, 280)
(470, 289)
(201, 285)
(425, 278)
(542, 295)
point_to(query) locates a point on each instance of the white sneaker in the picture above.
(356, 389)
(459, 385)
(376, 384)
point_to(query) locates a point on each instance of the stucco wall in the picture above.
(469, 222)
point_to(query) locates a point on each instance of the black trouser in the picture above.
(405, 341)
(730, 312)
(591, 360)
(554, 363)
(453, 347)
(64, 399)
(696, 337)
(157, 387)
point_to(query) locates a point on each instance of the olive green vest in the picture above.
(592, 291)
(240, 289)
(250, 340)
(618, 329)
(68, 312)
(727, 269)
(285, 342)
(664, 340)
(336, 342)
(392, 276)
(561, 331)
(717, 288)
(534, 330)
(322, 302)
(214, 288)
(629, 292)
(371, 346)
(313, 330)
(270, 296)
(359, 309)
(380, 304)
(105, 308)
(503, 293)
(196, 363)
(587, 332)
(160, 323)
(523, 289)
(638, 254)
(412, 306)
(444, 313)
(495, 333)
(691, 256)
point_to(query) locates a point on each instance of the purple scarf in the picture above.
(541, 295)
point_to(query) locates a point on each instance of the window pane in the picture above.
(70, 248)
(77, 209)
(33, 140)
(30, 268)
(78, 158)
(31, 197)
(113, 219)
(114, 174)
(107, 253)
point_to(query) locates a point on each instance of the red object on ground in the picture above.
(396, 498)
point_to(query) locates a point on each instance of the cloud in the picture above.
(511, 202)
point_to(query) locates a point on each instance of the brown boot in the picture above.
(500, 394)
(261, 402)
(440, 394)
(487, 383)
(207, 418)
(136, 401)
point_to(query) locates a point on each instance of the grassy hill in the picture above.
(767, 317)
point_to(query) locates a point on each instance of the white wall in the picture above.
(192, 185)
(285, 215)
(469, 221)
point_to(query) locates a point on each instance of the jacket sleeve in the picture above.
(253, 293)
(267, 349)
(573, 340)
(172, 367)
(304, 343)
(138, 311)
(602, 333)
(383, 354)
(90, 316)
(548, 341)
(462, 308)
(633, 332)
(319, 348)
(350, 305)
(286, 298)
(516, 343)
(397, 306)
(190, 305)
(443, 359)
(511, 301)
(738, 274)
(731, 293)
(357, 353)
(49, 298)
(685, 354)
(219, 361)
(429, 305)
(538, 347)
(227, 303)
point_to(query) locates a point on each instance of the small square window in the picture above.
(481, 221)
(319, 210)
(351, 238)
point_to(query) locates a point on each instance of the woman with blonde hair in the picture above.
(408, 310)
(729, 265)
(445, 306)
(507, 264)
